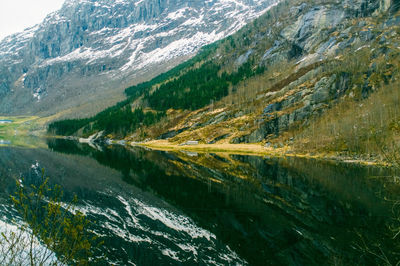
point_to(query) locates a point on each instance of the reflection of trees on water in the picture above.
(267, 210)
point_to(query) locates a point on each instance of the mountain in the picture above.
(311, 74)
(83, 55)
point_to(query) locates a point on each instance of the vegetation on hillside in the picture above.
(198, 87)
(138, 90)
(117, 120)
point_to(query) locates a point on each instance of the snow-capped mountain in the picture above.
(86, 53)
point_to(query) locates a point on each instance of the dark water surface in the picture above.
(159, 208)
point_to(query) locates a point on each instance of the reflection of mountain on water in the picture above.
(136, 226)
(278, 211)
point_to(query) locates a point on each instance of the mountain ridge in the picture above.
(90, 48)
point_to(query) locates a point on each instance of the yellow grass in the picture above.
(251, 149)
(256, 149)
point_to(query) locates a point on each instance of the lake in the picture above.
(177, 208)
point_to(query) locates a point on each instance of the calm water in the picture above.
(158, 208)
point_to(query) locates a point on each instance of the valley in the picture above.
(246, 132)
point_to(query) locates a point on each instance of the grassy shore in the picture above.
(22, 124)
(253, 149)
(22, 131)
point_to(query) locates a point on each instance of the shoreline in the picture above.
(256, 150)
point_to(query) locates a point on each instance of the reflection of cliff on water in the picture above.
(136, 226)
(286, 211)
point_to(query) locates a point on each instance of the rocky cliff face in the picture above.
(85, 54)
(318, 45)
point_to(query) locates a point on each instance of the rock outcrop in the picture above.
(319, 34)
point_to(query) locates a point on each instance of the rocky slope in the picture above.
(320, 72)
(85, 54)
(315, 54)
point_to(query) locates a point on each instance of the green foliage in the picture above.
(123, 120)
(67, 127)
(49, 223)
(192, 90)
(198, 87)
(118, 119)
(134, 92)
